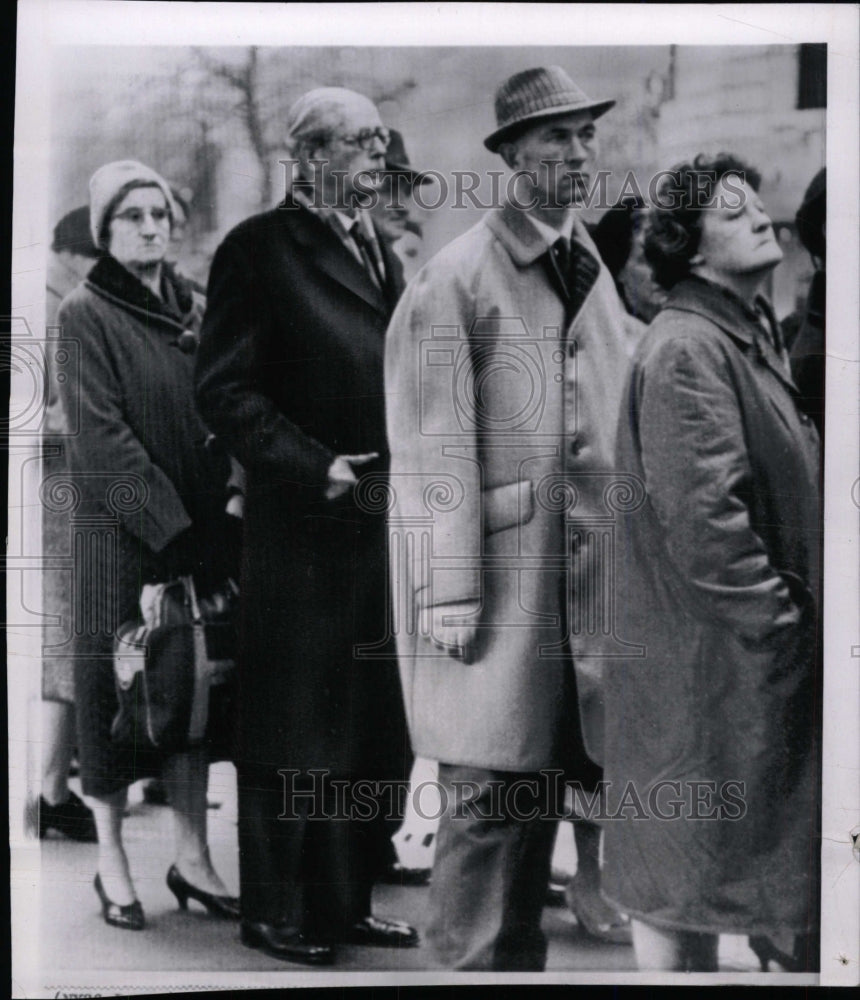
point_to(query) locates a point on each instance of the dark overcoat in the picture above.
(137, 474)
(289, 377)
(718, 577)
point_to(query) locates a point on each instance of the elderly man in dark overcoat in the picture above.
(290, 377)
(505, 364)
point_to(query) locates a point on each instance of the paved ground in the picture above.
(75, 939)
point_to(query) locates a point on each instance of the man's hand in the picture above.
(341, 477)
(457, 638)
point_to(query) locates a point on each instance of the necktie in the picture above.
(368, 253)
(574, 270)
(561, 252)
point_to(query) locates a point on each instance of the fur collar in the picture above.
(111, 281)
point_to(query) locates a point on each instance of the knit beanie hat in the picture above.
(109, 180)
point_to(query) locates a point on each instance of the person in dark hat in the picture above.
(73, 255)
(60, 810)
(502, 443)
(393, 208)
(807, 345)
(619, 236)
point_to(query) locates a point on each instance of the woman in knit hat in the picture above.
(141, 471)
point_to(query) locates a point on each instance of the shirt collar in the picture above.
(339, 220)
(549, 233)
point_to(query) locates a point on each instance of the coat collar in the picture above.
(733, 316)
(328, 253)
(522, 239)
(112, 282)
(527, 243)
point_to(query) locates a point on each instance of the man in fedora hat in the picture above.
(393, 205)
(505, 363)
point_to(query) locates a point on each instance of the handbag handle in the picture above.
(191, 594)
(188, 583)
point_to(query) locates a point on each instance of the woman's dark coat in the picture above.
(290, 375)
(138, 476)
(718, 576)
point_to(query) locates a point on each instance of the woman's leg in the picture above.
(113, 863)
(673, 951)
(186, 776)
(583, 892)
(58, 741)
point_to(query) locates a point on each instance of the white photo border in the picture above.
(44, 25)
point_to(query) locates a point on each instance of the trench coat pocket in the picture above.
(508, 506)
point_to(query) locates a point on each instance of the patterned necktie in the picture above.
(574, 271)
(561, 252)
(368, 253)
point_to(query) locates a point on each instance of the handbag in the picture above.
(175, 670)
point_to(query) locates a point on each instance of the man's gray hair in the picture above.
(317, 115)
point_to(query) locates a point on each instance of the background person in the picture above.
(394, 207)
(805, 334)
(719, 579)
(137, 419)
(73, 255)
(619, 236)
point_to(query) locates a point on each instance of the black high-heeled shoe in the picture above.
(222, 906)
(129, 917)
(766, 951)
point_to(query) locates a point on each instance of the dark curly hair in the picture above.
(675, 224)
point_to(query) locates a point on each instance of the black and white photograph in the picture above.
(433, 496)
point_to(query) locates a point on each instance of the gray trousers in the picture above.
(491, 872)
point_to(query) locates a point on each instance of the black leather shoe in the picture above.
(71, 818)
(397, 874)
(155, 792)
(129, 917)
(285, 943)
(221, 906)
(381, 933)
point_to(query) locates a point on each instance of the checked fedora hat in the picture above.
(538, 93)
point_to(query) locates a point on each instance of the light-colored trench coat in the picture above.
(501, 426)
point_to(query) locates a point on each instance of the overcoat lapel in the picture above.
(328, 253)
(525, 245)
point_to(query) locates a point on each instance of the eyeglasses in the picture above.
(136, 215)
(365, 137)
